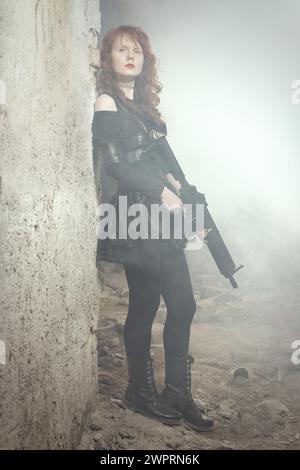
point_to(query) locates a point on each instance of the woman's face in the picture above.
(125, 51)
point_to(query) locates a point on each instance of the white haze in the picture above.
(227, 68)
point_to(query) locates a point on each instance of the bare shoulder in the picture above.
(105, 102)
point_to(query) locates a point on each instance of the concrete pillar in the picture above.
(49, 290)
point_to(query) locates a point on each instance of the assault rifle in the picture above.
(190, 195)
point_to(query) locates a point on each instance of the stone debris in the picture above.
(227, 408)
(273, 410)
(240, 376)
(225, 362)
(96, 421)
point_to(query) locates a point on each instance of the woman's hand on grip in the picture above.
(171, 201)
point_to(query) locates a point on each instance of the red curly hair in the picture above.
(147, 87)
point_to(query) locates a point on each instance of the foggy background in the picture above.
(227, 67)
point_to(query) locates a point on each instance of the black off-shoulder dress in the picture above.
(146, 176)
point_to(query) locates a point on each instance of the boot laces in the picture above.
(150, 377)
(188, 391)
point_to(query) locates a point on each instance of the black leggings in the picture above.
(169, 276)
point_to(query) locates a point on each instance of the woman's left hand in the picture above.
(173, 181)
(203, 233)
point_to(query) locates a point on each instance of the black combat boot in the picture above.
(142, 396)
(179, 395)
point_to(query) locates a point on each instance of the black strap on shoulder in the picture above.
(154, 135)
(129, 113)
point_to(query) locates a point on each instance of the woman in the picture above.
(127, 126)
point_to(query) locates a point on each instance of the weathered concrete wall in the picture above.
(49, 289)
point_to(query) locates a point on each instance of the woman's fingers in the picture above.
(205, 231)
(175, 207)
